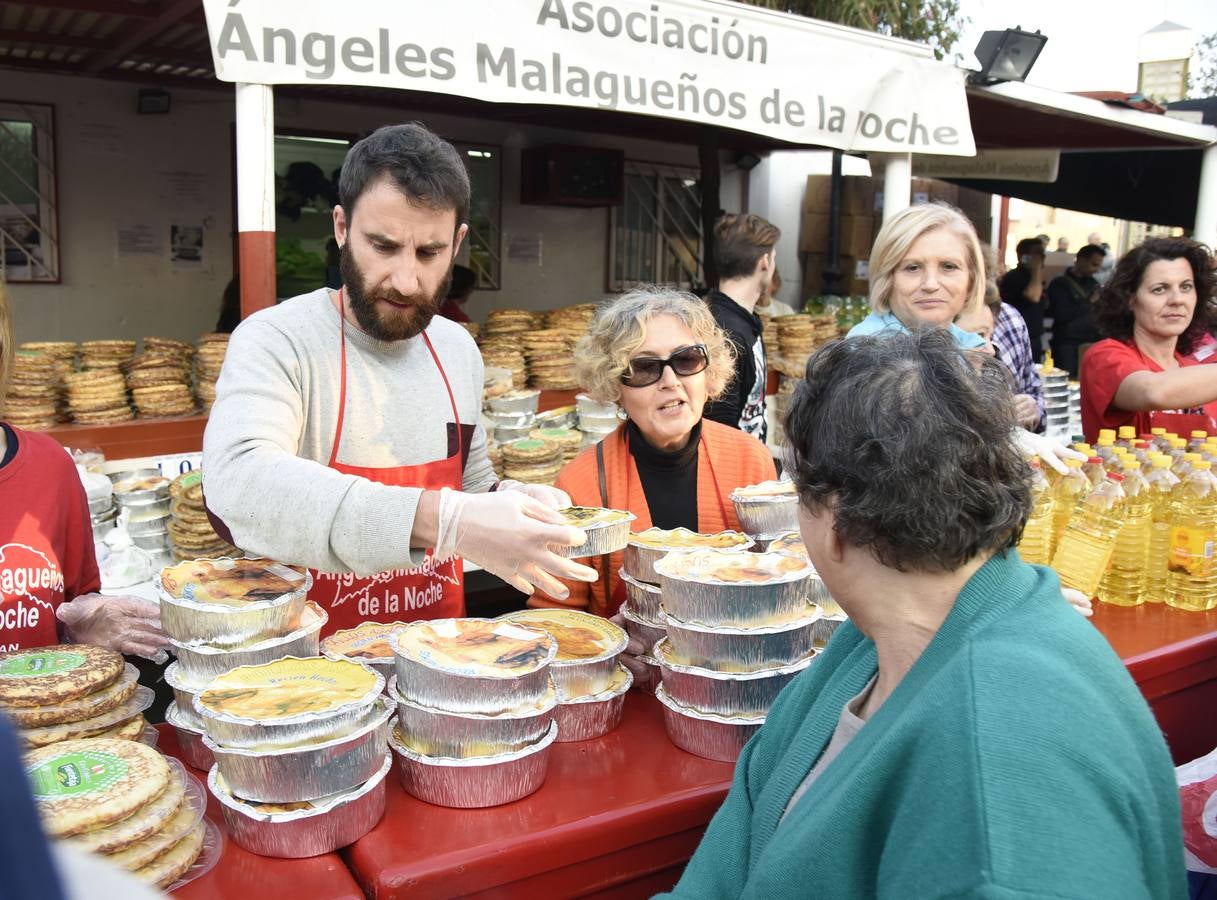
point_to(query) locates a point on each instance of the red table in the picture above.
(1172, 655)
(617, 817)
(240, 873)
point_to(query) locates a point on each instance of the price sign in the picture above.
(176, 464)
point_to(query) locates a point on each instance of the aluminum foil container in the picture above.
(824, 629)
(505, 434)
(642, 598)
(518, 401)
(184, 692)
(725, 693)
(652, 665)
(158, 527)
(331, 822)
(199, 663)
(101, 505)
(585, 405)
(562, 417)
(218, 626)
(151, 541)
(728, 649)
(591, 438)
(597, 422)
(247, 733)
(640, 558)
(510, 419)
(310, 771)
(119, 475)
(437, 732)
(704, 734)
(585, 675)
(592, 715)
(767, 515)
(143, 510)
(189, 740)
(602, 538)
(644, 632)
(733, 604)
(160, 558)
(430, 684)
(141, 495)
(474, 783)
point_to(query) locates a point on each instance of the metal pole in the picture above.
(1206, 199)
(897, 183)
(832, 271)
(256, 196)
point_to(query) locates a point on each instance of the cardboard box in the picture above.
(856, 234)
(854, 274)
(857, 194)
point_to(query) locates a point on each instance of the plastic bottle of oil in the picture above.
(1125, 436)
(1162, 483)
(1158, 436)
(1186, 464)
(1071, 488)
(1191, 578)
(1198, 439)
(1123, 583)
(1093, 467)
(1178, 448)
(1085, 548)
(1105, 447)
(1107, 433)
(1035, 546)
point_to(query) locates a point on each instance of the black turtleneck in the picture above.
(669, 479)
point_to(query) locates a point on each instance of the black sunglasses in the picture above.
(645, 370)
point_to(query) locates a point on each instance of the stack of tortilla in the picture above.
(190, 533)
(71, 691)
(122, 800)
(98, 397)
(32, 400)
(105, 354)
(208, 358)
(159, 378)
(551, 363)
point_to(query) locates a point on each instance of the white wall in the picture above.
(117, 168)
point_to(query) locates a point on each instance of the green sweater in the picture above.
(1016, 759)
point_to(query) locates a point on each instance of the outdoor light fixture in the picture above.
(152, 101)
(1007, 55)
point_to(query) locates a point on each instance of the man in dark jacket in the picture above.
(744, 250)
(1069, 303)
(1023, 287)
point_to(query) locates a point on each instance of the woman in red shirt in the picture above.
(1156, 308)
(48, 573)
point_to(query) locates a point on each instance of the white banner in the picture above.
(1003, 165)
(708, 61)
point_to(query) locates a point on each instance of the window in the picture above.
(306, 192)
(29, 221)
(485, 211)
(656, 232)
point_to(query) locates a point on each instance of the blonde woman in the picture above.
(662, 357)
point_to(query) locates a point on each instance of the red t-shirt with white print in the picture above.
(46, 541)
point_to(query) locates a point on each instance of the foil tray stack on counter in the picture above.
(597, 419)
(643, 608)
(301, 753)
(146, 501)
(831, 613)
(370, 643)
(590, 681)
(475, 705)
(223, 613)
(72, 691)
(739, 629)
(130, 806)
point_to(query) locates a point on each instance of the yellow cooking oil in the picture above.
(1095, 471)
(1085, 548)
(1198, 438)
(1072, 487)
(1162, 483)
(1191, 577)
(1123, 583)
(1125, 436)
(1035, 546)
(1178, 448)
(1105, 447)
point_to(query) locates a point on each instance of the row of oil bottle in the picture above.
(1135, 523)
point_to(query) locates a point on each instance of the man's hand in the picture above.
(550, 496)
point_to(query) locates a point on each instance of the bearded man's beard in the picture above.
(396, 323)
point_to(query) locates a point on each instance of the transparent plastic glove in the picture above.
(550, 496)
(509, 534)
(629, 658)
(1078, 601)
(1049, 451)
(126, 624)
(1026, 411)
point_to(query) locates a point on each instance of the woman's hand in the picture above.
(126, 624)
(629, 658)
(1026, 412)
(1078, 601)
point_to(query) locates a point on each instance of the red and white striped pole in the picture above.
(256, 196)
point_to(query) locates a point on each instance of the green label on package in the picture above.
(40, 664)
(76, 773)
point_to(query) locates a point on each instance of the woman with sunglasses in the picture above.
(661, 356)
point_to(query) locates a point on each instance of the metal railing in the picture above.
(37, 246)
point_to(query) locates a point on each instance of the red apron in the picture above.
(430, 591)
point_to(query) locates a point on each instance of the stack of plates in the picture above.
(1075, 407)
(146, 499)
(1057, 412)
(597, 419)
(475, 704)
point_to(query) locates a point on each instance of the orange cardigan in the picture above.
(735, 459)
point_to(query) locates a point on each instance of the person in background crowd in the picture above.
(1013, 347)
(661, 356)
(1023, 288)
(459, 292)
(979, 321)
(744, 247)
(1107, 266)
(927, 752)
(1157, 306)
(769, 302)
(1062, 245)
(230, 307)
(346, 430)
(1070, 298)
(49, 583)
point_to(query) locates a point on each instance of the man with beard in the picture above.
(345, 434)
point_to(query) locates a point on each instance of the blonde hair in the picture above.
(620, 328)
(6, 344)
(902, 230)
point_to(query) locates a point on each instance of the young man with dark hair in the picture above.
(1023, 288)
(345, 434)
(1069, 299)
(459, 292)
(744, 250)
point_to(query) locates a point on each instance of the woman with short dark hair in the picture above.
(1156, 307)
(964, 734)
